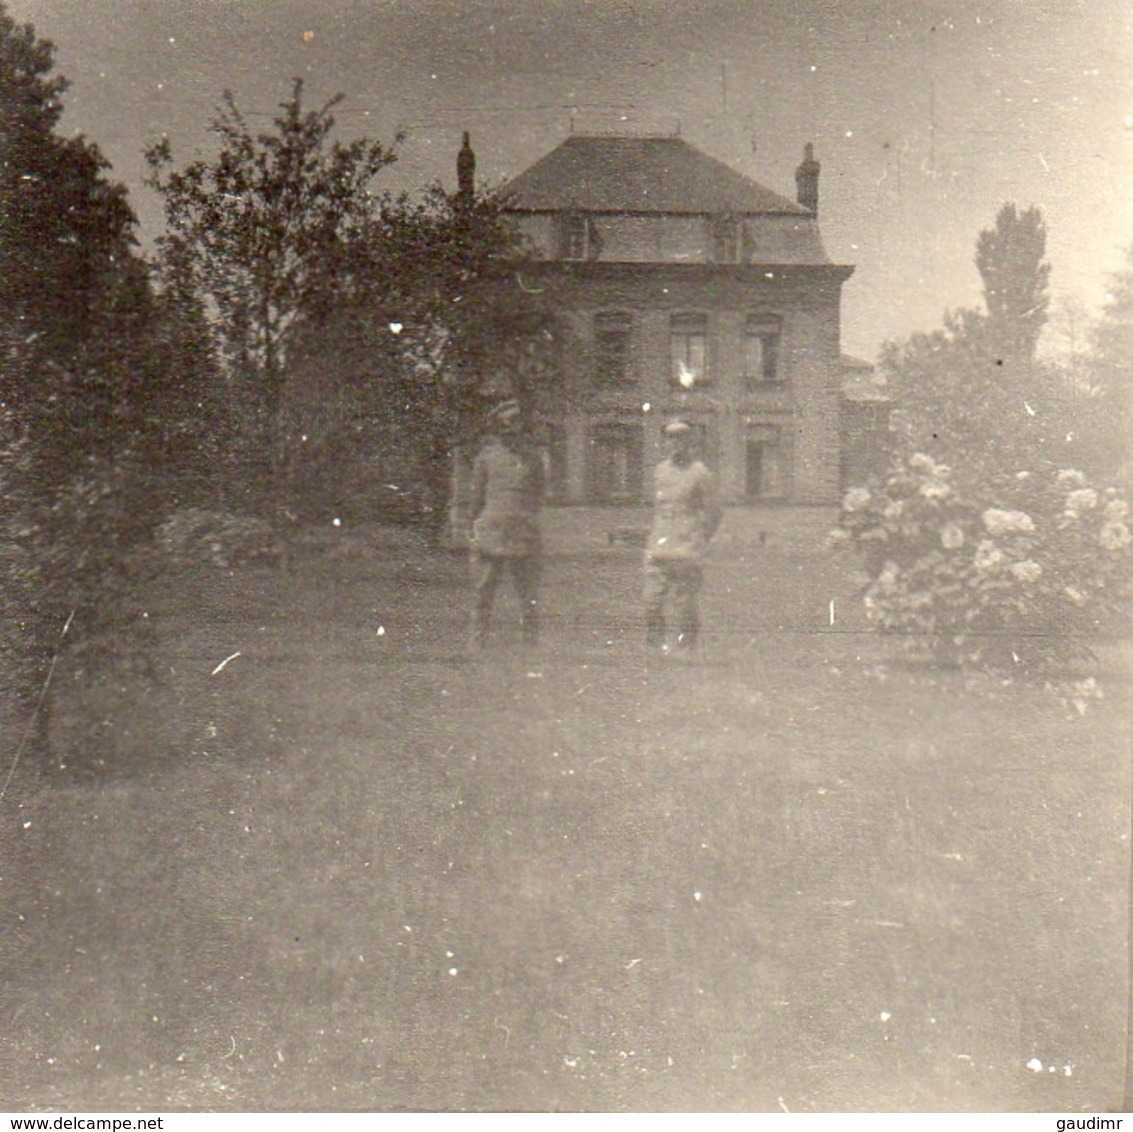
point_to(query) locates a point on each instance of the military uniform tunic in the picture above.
(507, 492)
(685, 517)
(685, 511)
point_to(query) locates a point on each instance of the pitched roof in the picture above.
(639, 174)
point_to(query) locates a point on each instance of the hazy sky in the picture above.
(926, 115)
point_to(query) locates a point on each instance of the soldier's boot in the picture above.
(478, 633)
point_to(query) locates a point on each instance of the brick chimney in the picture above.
(806, 178)
(465, 170)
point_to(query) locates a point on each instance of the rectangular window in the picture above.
(726, 241)
(688, 350)
(761, 349)
(763, 462)
(615, 463)
(612, 338)
(574, 231)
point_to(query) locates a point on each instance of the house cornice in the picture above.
(744, 272)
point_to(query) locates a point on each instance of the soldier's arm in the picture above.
(479, 492)
(710, 500)
(539, 476)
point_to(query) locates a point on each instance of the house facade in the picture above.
(682, 287)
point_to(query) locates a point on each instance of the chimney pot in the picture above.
(806, 179)
(466, 169)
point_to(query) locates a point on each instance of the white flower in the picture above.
(988, 556)
(888, 576)
(1027, 571)
(997, 521)
(934, 489)
(952, 536)
(1071, 477)
(1115, 536)
(857, 498)
(1085, 499)
(1116, 509)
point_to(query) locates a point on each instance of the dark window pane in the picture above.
(612, 337)
(614, 465)
(761, 349)
(688, 350)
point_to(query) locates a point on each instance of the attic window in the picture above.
(574, 236)
(726, 240)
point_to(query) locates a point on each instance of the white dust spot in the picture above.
(381, 630)
(885, 1016)
(1035, 1065)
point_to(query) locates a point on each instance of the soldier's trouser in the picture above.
(680, 581)
(487, 571)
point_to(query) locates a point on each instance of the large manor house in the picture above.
(683, 287)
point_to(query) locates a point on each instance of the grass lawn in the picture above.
(352, 869)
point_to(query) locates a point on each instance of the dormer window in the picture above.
(726, 239)
(574, 236)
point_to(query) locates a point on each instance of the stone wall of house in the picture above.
(802, 410)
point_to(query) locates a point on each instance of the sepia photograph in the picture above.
(566, 556)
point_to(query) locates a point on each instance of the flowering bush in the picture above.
(1024, 574)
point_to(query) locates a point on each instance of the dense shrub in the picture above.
(1022, 574)
(195, 536)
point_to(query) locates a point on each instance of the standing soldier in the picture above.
(507, 493)
(686, 515)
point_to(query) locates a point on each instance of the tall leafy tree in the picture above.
(264, 231)
(1109, 366)
(66, 231)
(80, 410)
(439, 320)
(971, 393)
(1015, 281)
